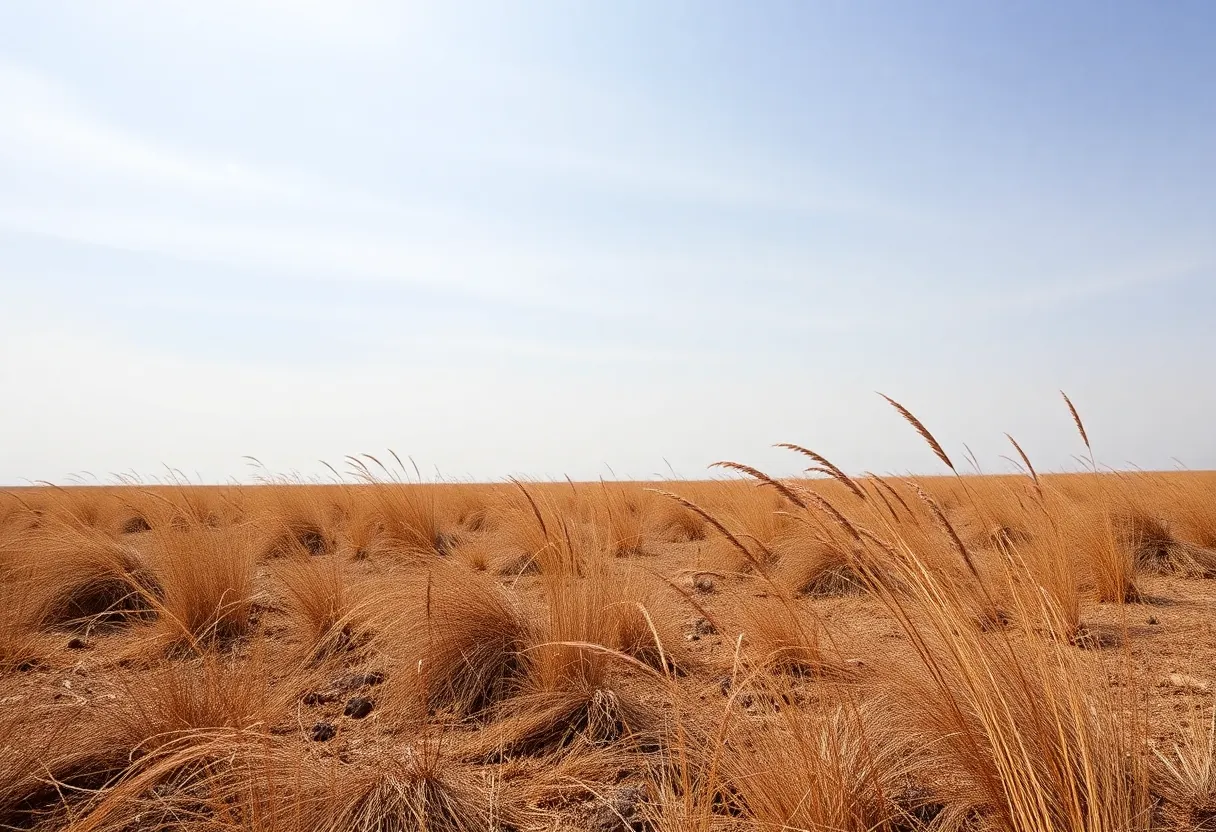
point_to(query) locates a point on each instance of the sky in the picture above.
(618, 239)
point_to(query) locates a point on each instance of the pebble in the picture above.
(358, 707)
(1180, 681)
(319, 697)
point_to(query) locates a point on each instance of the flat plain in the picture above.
(829, 652)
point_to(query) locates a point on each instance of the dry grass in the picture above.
(327, 614)
(458, 640)
(595, 630)
(207, 580)
(78, 576)
(407, 512)
(1017, 733)
(19, 615)
(818, 771)
(785, 637)
(154, 752)
(626, 516)
(835, 652)
(212, 692)
(411, 787)
(1186, 773)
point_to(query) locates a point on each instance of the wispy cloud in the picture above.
(95, 183)
(45, 125)
(87, 179)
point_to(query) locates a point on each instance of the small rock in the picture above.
(1180, 681)
(364, 680)
(703, 627)
(358, 707)
(620, 812)
(77, 643)
(319, 697)
(1152, 619)
(322, 732)
(704, 583)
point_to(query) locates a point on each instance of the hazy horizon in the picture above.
(543, 239)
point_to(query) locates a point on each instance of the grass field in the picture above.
(1026, 652)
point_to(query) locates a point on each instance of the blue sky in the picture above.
(547, 238)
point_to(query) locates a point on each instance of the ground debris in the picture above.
(1182, 682)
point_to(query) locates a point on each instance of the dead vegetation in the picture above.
(1027, 652)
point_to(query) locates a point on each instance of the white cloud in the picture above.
(91, 182)
(87, 180)
(301, 249)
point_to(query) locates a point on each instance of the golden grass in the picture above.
(817, 770)
(1186, 772)
(206, 578)
(458, 641)
(831, 652)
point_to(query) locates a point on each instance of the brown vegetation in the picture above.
(1028, 653)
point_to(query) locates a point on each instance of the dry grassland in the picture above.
(1029, 653)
